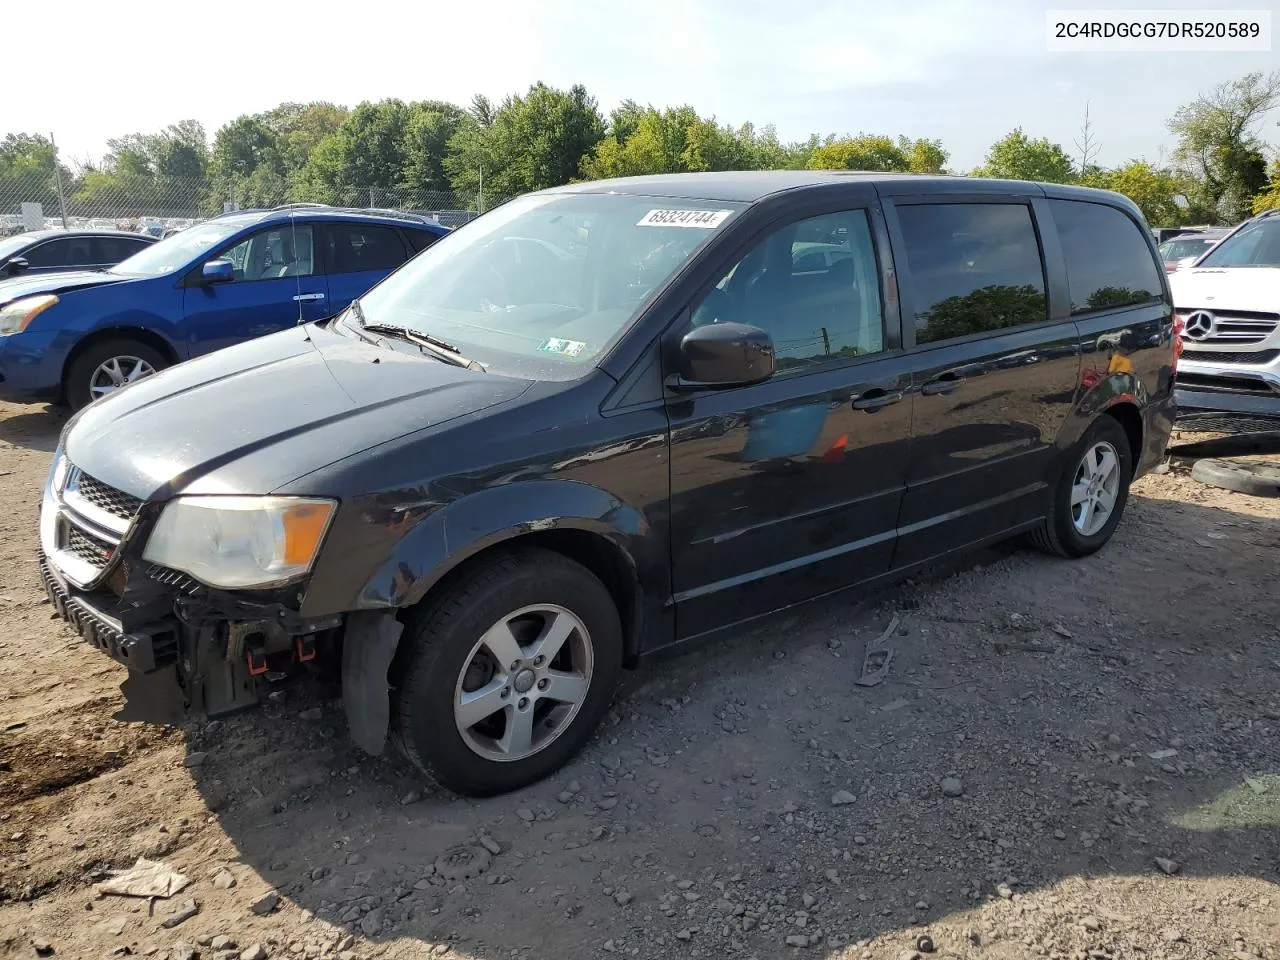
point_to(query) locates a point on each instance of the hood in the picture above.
(15, 288)
(1227, 288)
(251, 418)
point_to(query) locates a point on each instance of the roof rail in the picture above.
(1273, 212)
(371, 211)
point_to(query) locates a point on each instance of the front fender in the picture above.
(428, 546)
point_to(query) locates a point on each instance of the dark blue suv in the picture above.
(73, 337)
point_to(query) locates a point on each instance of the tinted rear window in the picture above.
(975, 267)
(357, 247)
(421, 239)
(1109, 263)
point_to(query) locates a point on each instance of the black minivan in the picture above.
(605, 420)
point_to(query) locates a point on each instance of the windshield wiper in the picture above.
(438, 348)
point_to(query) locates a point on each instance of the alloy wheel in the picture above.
(523, 682)
(1095, 489)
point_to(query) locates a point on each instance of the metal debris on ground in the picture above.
(877, 657)
(146, 878)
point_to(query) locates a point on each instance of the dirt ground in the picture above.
(1107, 731)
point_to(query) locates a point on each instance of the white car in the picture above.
(1228, 308)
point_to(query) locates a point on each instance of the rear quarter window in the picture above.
(1109, 263)
(421, 239)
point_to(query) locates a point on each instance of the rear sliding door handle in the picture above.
(308, 296)
(877, 399)
(943, 385)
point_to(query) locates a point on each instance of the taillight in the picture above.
(1179, 323)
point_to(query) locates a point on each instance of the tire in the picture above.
(444, 656)
(85, 369)
(1257, 478)
(1062, 533)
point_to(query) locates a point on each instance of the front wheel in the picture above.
(1091, 496)
(507, 673)
(107, 366)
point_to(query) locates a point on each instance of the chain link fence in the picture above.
(161, 205)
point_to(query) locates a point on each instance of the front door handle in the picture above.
(308, 296)
(943, 385)
(877, 399)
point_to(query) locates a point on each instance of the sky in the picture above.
(965, 71)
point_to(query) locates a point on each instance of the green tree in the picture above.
(863, 152)
(1017, 157)
(367, 151)
(531, 141)
(28, 170)
(1269, 199)
(432, 125)
(923, 156)
(1218, 144)
(1151, 189)
(677, 140)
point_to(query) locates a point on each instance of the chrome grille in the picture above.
(82, 525)
(113, 501)
(1230, 356)
(87, 547)
(1237, 326)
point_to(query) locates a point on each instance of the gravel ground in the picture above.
(1070, 760)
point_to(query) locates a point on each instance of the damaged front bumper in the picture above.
(215, 650)
(192, 650)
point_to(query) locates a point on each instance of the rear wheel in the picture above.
(507, 673)
(107, 366)
(1091, 496)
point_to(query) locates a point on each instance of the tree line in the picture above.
(1217, 171)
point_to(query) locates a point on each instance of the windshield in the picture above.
(542, 285)
(1257, 245)
(168, 255)
(1184, 247)
(11, 245)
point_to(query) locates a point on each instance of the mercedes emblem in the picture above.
(1199, 326)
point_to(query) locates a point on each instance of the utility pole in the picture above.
(57, 175)
(481, 188)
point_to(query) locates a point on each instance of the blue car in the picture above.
(74, 337)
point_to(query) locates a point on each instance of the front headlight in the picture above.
(240, 542)
(58, 470)
(15, 316)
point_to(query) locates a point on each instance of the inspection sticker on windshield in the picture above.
(702, 219)
(566, 348)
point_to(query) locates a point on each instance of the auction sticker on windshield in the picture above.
(703, 219)
(566, 348)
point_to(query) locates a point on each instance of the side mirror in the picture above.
(16, 266)
(218, 271)
(724, 355)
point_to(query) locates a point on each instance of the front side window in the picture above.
(974, 268)
(1109, 263)
(180, 249)
(813, 286)
(1255, 245)
(284, 251)
(542, 285)
(63, 252)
